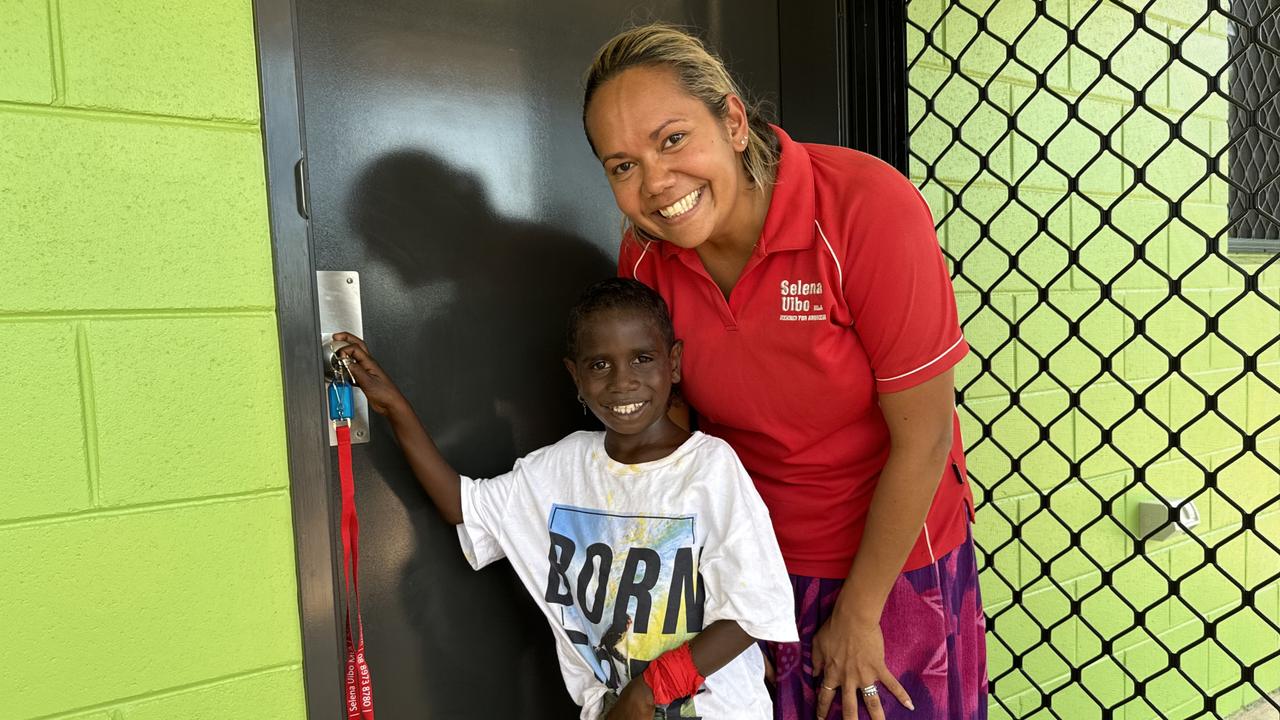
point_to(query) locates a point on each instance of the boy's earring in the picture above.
(584, 404)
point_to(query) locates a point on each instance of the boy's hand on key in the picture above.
(634, 703)
(383, 395)
(430, 468)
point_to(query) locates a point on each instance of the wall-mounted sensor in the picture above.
(1162, 519)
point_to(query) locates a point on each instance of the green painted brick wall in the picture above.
(145, 530)
(1007, 116)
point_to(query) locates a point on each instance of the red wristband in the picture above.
(672, 675)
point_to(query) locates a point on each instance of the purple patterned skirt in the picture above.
(934, 639)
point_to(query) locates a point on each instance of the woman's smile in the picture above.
(681, 207)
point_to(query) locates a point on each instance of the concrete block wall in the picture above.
(1007, 113)
(145, 532)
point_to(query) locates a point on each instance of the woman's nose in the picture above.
(658, 179)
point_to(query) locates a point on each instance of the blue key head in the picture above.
(341, 401)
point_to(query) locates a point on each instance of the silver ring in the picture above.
(828, 687)
(869, 691)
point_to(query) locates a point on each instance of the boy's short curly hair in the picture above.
(618, 294)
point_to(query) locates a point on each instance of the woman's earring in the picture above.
(584, 404)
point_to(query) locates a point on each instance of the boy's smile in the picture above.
(624, 371)
(628, 409)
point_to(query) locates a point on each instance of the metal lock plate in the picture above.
(339, 305)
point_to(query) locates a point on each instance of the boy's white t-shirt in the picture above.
(612, 553)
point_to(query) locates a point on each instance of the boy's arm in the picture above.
(711, 649)
(430, 468)
(434, 473)
(716, 646)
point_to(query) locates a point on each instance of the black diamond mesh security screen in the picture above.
(1254, 122)
(1087, 163)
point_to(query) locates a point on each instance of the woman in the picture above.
(821, 334)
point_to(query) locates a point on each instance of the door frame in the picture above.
(843, 75)
(311, 489)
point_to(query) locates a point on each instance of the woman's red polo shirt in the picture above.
(846, 296)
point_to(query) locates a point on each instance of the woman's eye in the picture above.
(674, 139)
(622, 168)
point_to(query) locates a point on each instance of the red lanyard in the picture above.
(358, 691)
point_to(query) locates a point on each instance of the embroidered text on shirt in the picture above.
(801, 301)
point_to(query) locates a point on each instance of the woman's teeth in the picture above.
(681, 206)
(627, 409)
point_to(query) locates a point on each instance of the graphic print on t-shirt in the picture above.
(627, 586)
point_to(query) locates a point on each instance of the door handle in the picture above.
(300, 187)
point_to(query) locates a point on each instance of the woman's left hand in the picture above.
(849, 654)
(635, 702)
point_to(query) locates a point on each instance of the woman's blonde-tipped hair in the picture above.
(701, 73)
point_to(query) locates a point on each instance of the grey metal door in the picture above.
(447, 165)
